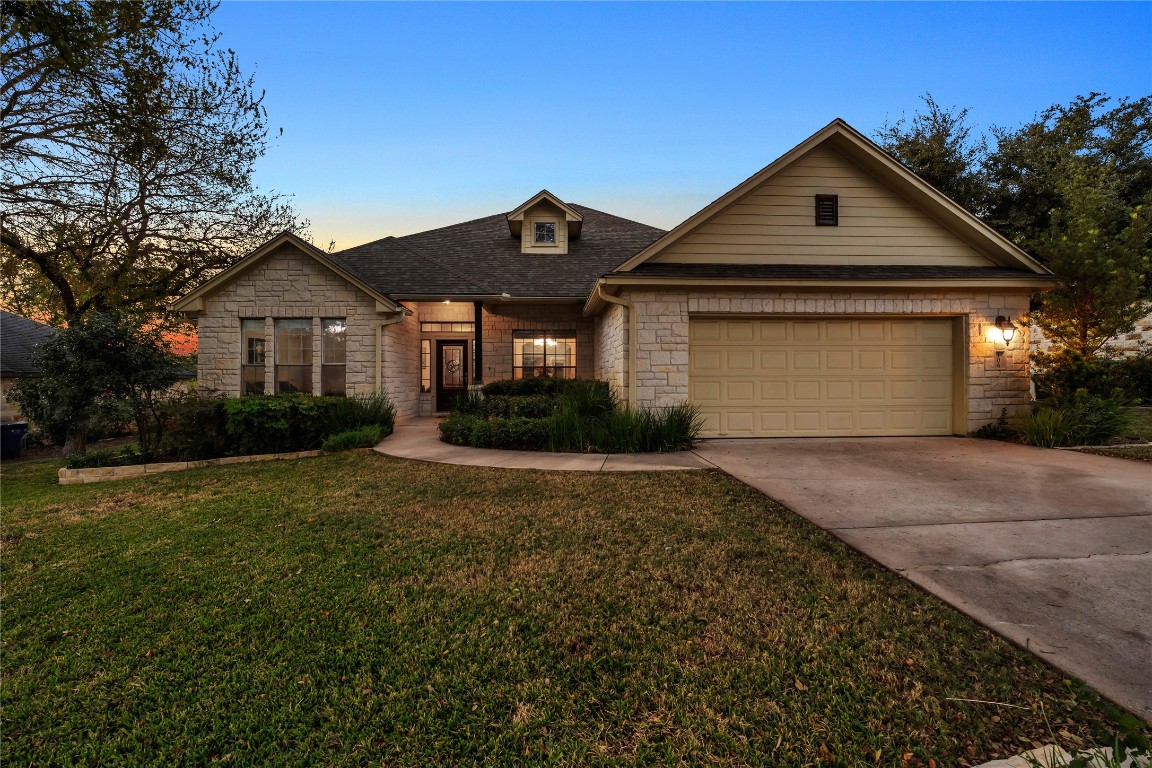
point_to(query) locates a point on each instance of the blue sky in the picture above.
(402, 117)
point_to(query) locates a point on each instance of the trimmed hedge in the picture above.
(566, 415)
(209, 427)
(365, 437)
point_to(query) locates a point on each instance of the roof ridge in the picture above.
(613, 215)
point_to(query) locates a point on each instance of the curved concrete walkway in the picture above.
(420, 439)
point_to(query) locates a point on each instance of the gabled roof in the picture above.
(193, 301)
(479, 259)
(19, 338)
(886, 169)
(571, 215)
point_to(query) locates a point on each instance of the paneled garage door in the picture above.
(776, 377)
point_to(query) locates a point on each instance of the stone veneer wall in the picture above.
(612, 335)
(290, 284)
(662, 330)
(500, 320)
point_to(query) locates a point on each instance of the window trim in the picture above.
(260, 367)
(537, 242)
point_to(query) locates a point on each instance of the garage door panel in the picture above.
(779, 377)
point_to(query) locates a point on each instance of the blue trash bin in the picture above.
(12, 435)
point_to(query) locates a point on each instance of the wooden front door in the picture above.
(451, 372)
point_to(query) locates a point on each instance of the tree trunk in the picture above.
(75, 444)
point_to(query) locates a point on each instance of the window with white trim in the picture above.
(333, 356)
(544, 233)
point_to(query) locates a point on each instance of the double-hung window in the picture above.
(333, 348)
(252, 357)
(543, 353)
(294, 356)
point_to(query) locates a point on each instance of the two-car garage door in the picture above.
(779, 377)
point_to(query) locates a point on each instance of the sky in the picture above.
(401, 117)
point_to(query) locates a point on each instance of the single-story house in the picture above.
(833, 292)
(19, 338)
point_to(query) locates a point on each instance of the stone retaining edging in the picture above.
(103, 474)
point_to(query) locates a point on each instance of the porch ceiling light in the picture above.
(1007, 328)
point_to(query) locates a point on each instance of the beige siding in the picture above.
(774, 223)
(544, 211)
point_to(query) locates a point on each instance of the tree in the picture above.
(98, 370)
(1097, 246)
(939, 147)
(126, 155)
(1073, 187)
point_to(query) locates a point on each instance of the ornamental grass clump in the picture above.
(1082, 419)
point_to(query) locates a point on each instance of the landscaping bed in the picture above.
(194, 427)
(354, 609)
(566, 415)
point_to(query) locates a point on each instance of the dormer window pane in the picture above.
(545, 232)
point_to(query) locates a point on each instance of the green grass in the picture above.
(359, 610)
(1142, 426)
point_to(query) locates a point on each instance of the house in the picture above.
(19, 338)
(833, 292)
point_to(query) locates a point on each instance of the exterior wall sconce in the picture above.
(1007, 328)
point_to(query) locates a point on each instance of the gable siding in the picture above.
(775, 224)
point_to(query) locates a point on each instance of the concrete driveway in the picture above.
(1051, 549)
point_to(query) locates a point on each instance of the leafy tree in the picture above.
(126, 155)
(1073, 187)
(939, 146)
(101, 369)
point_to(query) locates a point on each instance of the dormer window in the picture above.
(545, 232)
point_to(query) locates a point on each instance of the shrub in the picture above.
(1082, 419)
(364, 437)
(1059, 375)
(196, 427)
(277, 423)
(537, 385)
(481, 432)
(1135, 375)
(348, 414)
(106, 457)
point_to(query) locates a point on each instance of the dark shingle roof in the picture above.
(19, 336)
(826, 272)
(481, 257)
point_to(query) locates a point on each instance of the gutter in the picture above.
(629, 342)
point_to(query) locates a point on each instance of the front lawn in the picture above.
(361, 610)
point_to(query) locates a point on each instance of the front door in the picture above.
(451, 372)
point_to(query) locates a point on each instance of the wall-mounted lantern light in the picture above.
(1007, 328)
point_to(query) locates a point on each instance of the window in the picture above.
(545, 232)
(543, 353)
(252, 357)
(425, 365)
(437, 327)
(333, 357)
(294, 356)
(827, 211)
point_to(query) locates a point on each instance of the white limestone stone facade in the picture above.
(662, 337)
(289, 284)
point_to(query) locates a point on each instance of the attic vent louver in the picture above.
(827, 210)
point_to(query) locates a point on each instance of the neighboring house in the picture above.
(19, 338)
(832, 293)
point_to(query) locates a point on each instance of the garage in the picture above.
(823, 377)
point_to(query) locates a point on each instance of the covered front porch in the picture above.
(460, 344)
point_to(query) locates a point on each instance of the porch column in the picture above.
(478, 342)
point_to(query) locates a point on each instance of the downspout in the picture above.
(630, 343)
(400, 315)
